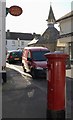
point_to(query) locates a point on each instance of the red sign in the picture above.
(15, 10)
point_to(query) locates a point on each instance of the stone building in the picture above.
(49, 37)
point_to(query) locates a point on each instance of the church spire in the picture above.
(51, 18)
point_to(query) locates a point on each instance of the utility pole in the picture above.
(2, 40)
(2, 49)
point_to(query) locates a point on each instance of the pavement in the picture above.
(69, 93)
(37, 107)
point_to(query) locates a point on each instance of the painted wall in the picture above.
(15, 44)
(66, 26)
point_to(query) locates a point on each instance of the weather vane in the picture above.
(50, 3)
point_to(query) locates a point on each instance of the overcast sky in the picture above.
(35, 13)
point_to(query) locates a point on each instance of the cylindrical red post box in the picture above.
(56, 85)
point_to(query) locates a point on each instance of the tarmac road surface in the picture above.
(23, 97)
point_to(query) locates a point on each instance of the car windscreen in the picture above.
(39, 55)
(17, 54)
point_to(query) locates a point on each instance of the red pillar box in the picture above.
(56, 85)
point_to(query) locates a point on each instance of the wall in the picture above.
(65, 26)
(15, 44)
(10, 46)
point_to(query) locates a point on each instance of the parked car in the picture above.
(14, 56)
(34, 61)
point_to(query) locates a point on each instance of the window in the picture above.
(13, 43)
(39, 55)
(17, 54)
(6, 42)
(29, 55)
(46, 36)
(22, 43)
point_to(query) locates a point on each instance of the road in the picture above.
(39, 82)
(23, 97)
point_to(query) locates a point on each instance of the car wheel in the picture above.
(23, 67)
(24, 70)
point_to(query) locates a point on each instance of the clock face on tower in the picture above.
(46, 36)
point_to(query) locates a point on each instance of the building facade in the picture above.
(65, 41)
(16, 40)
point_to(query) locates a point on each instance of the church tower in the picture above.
(50, 35)
(51, 18)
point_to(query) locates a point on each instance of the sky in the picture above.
(35, 13)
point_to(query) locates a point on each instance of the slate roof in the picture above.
(66, 35)
(53, 36)
(21, 36)
(51, 17)
(68, 15)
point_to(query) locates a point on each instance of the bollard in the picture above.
(56, 85)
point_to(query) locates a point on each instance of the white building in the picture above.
(16, 40)
(65, 41)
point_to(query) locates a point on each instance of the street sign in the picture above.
(15, 10)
